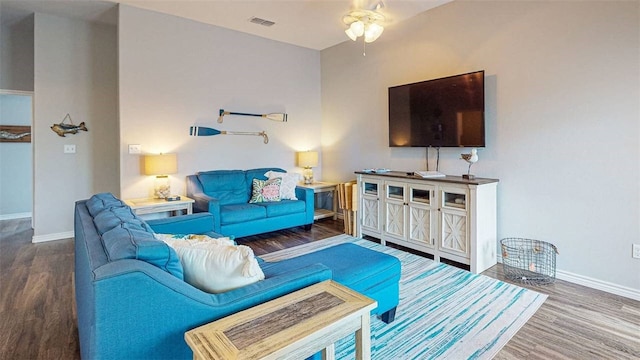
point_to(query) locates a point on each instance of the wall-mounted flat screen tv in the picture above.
(445, 112)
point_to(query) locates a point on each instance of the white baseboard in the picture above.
(15, 216)
(52, 237)
(599, 284)
(594, 283)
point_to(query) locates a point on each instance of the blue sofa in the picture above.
(132, 301)
(226, 193)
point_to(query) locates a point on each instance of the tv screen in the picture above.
(445, 112)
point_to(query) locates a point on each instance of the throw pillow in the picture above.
(265, 190)
(289, 183)
(215, 267)
(191, 239)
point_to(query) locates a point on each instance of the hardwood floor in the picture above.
(37, 316)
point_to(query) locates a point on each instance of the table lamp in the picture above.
(160, 166)
(307, 160)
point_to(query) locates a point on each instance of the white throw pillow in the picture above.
(288, 185)
(215, 266)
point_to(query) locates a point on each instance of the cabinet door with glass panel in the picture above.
(421, 203)
(454, 228)
(395, 208)
(371, 213)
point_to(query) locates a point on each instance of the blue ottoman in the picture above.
(366, 271)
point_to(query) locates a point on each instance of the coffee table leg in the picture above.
(363, 339)
(329, 353)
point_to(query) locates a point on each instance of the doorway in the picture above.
(16, 154)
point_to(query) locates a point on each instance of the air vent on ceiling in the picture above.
(259, 21)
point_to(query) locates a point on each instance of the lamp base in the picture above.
(162, 187)
(307, 173)
(468, 176)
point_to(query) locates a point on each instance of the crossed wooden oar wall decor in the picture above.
(207, 131)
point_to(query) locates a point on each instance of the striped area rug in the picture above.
(444, 312)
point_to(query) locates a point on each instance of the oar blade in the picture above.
(202, 131)
(282, 117)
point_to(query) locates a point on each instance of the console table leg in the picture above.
(329, 353)
(363, 339)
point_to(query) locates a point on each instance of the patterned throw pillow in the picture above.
(289, 183)
(265, 190)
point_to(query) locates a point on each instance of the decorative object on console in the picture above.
(471, 158)
(15, 133)
(367, 23)
(307, 160)
(206, 131)
(161, 166)
(68, 128)
(281, 117)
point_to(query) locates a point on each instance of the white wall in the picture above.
(75, 74)
(15, 159)
(16, 55)
(562, 115)
(175, 73)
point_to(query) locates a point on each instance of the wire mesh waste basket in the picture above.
(529, 261)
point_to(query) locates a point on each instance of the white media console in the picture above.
(448, 217)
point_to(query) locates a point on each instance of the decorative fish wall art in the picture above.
(15, 133)
(68, 128)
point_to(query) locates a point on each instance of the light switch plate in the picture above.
(135, 148)
(69, 149)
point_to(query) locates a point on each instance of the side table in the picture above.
(320, 187)
(151, 205)
(294, 326)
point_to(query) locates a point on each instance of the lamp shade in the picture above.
(162, 164)
(308, 159)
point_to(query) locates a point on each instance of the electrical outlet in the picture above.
(636, 251)
(135, 149)
(69, 149)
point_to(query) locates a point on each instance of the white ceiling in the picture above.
(308, 23)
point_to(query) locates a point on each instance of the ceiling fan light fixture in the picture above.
(364, 22)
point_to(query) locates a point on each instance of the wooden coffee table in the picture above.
(294, 326)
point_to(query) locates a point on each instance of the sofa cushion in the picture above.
(228, 186)
(123, 242)
(231, 214)
(265, 190)
(115, 216)
(289, 183)
(284, 207)
(354, 266)
(99, 202)
(216, 267)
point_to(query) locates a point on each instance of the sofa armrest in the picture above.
(206, 203)
(307, 196)
(200, 223)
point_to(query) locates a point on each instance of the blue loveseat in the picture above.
(132, 301)
(226, 193)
